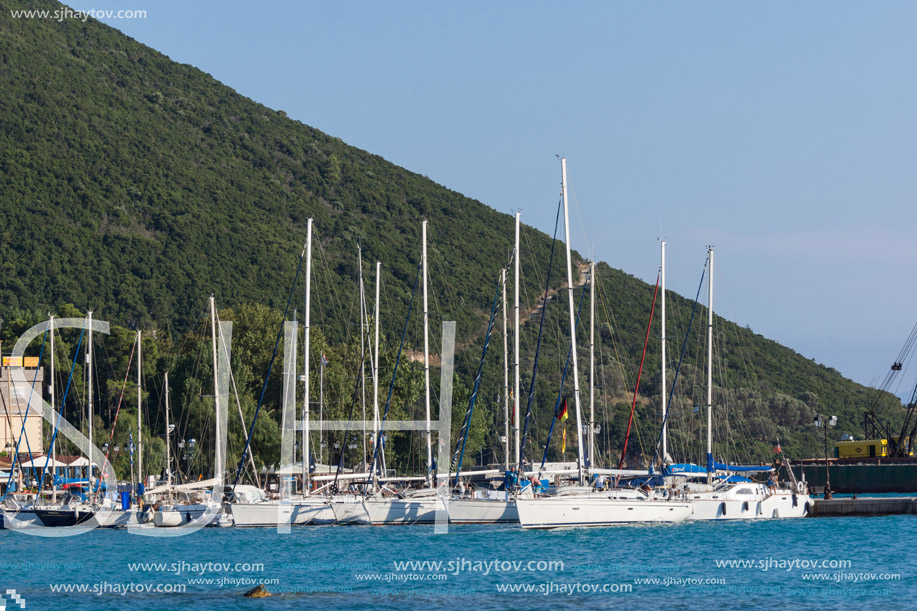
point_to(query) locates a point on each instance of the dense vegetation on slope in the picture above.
(136, 186)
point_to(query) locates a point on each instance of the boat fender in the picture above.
(744, 506)
(807, 508)
(795, 501)
(723, 507)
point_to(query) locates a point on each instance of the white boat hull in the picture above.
(349, 511)
(482, 511)
(324, 515)
(758, 505)
(119, 518)
(597, 510)
(178, 515)
(23, 518)
(297, 512)
(387, 511)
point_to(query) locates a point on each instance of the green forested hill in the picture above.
(136, 186)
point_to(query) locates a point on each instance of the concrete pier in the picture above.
(859, 475)
(865, 506)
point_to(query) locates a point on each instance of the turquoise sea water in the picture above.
(856, 561)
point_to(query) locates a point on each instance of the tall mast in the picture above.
(53, 405)
(505, 373)
(89, 400)
(710, 369)
(426, 355)
(139, 412)
(579, 417)
(217, 449)
(306, 487)
(168, 442)
(516, 334)
(376, 368)
(664, 387)
(592, 364)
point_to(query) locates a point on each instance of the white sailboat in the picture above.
(493, 506)
(412, 506)
(137, 515)
(597, 509)
(484, 507)
(723, 498)
(255, 510)
(74, 510)
(348, 510)
(172, 511)
(203, 498)
(590, 508)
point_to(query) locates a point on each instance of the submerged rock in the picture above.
(258, 592)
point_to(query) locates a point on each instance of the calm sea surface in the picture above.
(811, 563)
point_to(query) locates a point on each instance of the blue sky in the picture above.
(782, 133)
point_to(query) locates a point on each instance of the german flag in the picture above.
(562, 414)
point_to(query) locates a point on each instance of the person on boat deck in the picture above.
(461, 488)
(600, 482)
(536, 485)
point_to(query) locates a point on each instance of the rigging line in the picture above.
(191, 343)
(613, 327)
(731, 401)
(606, 381)
(681, 357)
(235, 390)
(474, 393)
(560, 392)
(391, 387)
(646, 342)
(443, 299)
(533, 279)
(333, 299)
(111, 434)
(251, 431)
(544, 308)
(24, 419)
(721, 371)
(745, 352)
(364, 332)
(579, 213)
(62, 403)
